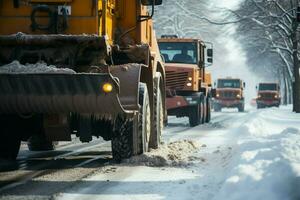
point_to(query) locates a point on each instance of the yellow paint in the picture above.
(119, 25)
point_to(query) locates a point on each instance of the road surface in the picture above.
(250, 155)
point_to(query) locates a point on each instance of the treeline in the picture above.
(269, 33)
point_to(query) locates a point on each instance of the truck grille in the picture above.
(228, 94)
(176, 80)
(267, 95)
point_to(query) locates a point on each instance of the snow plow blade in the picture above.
(60, 93)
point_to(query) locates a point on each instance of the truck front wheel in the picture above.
(241, 108)
(129, 140)
(203, 110)
(197, 113)
(40, 143)
(208, 115)
(9, 148)
(158, 122)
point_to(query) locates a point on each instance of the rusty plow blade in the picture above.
(60, 93)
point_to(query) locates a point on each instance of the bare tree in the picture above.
(270, 37)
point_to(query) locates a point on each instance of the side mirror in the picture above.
(209, 60)
(151, 2)
(215, 84)
(244, 84)
(256, 87)
(210, 53)
(213, 93)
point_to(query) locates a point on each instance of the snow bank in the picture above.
(178, 153)
(40, 67)
(268, 163)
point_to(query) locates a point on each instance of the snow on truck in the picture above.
(97, 72)
(229, 93)
(188, 85)
(268, 95)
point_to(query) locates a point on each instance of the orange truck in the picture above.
(268, 95)
(188, 86)
(100, 75)
(229, 94)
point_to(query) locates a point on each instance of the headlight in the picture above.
(217, 95)
(259, 96)
(190, 78)
(238, 96)
(276, 96)
(189, 84)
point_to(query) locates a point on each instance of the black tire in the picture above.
(10, 143)
(241, 108)
(125, 143)
(122, 140)
(144, 119)
(40, 143)
(208, 116)
(158, 124)
(10, 148)
(203, 109)
(194, 115)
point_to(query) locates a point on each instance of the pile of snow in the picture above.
(178, 153)
(40, 67)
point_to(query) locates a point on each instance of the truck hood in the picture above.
(170, 66)
(228, 89)
(268, 92)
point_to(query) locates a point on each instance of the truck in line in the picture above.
(268, 95)
(188, 85)
(229, 93)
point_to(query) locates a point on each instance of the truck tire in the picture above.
(124, 140)
(208, 115)
(241, 108)
(9, 144)
(9, 149)
(40, 143)
(203, 112)
(194, 116)
(158, 123)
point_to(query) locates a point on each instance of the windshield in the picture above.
(229, 83)
(179, 52)
(267, 87)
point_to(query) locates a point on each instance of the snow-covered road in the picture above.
(252, 155)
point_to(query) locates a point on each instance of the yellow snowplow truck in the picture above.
(89, 68)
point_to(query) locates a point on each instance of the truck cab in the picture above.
(229, 94)
(268, 95)
(187, 90)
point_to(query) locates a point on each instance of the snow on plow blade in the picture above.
(59, 93)
(57, 50)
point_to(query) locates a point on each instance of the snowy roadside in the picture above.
(267, 164)
(252, 155)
